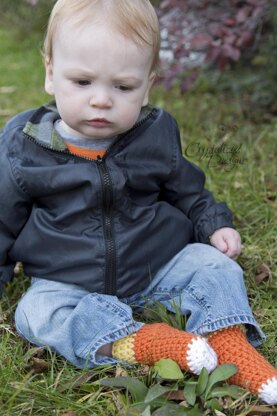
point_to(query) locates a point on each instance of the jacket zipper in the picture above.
(107, 201)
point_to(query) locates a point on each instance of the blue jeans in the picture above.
(205, 284)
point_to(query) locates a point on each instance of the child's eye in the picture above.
(124, 88)
(83, 82)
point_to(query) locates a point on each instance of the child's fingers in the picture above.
(219, 243)
(233, 252)
(228, 242)
(234, 248)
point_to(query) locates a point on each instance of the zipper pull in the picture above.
(99, 159)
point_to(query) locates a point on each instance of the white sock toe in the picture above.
(268, 391)
(200, 354)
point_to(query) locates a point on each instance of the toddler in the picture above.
(99, 205)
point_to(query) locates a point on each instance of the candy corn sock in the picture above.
(155, 341)
(254, 372)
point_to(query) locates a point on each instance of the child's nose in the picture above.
(100, 98)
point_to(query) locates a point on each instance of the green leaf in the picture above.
(156, 391)
(202, 381)
(194, 412)
(231, 391)
(147, 411)
(136, 409)
(172, 410)
(137, 389)
(221, 373)
(213, 404)
(168, 369)
(190, 393)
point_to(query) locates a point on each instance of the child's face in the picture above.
(100, 80)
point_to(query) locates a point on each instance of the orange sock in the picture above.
(254, 372)
(155, 341)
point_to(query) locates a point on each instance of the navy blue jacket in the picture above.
(107, 225)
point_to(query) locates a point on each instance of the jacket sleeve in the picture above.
(185, 190)
(15, 208)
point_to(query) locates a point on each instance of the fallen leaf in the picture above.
(175, 395)
(263, 272)
(70, 414)
(7, 90)
(34, 352)
(144, 370)
(218, 413)
(6, 113)
(120, 372)
(78, 380)
(184, 403)
(260, 410)
(238, 185)
(37, 365)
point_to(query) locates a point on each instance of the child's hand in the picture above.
(227, 240)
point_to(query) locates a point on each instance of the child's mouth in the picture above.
(99, 122)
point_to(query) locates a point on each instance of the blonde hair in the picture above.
(135, 19)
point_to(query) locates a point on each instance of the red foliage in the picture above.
(197, 33)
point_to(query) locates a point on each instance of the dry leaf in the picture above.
(144, 370)
(120, 372)
(184, 403)
(6, 113)
(260, 410)
(238, 185)
(34, 352)
(175, 395)
(37, 365)
(218, 413)
(263, 272)
(70, 414)
(78, 380)
(7, 90)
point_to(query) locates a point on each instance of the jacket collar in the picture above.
(40, 127)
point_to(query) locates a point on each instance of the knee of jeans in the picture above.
(211, 256)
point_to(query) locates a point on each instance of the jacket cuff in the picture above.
(217, 216)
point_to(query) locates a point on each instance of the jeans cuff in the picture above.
(91, 350)
(253, 332)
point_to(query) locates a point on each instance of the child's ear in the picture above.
(49, 87)
(151, 79)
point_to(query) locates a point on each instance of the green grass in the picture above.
(52, 387)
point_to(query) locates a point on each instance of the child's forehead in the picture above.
(91, 27)
(98, 36)
(97, 49)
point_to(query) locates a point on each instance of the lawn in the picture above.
(212, 119)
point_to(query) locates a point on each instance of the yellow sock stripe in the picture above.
(123, 349)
